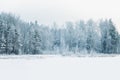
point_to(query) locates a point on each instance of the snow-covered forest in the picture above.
(19, 37)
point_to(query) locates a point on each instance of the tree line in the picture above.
(19, 37)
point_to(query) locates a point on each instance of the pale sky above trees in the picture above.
(60, 11)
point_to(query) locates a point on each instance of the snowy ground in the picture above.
(56, 67)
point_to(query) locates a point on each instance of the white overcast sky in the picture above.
(59, 11)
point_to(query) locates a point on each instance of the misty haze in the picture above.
(59, 40)
(59, 27)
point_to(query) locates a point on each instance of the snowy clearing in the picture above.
(56, 67)
(53, 55)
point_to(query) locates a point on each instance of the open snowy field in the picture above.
(56, 67)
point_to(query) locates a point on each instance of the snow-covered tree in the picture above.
(36, 43)
(90, 36)
(16, 42)
(19, 37)
(113, 35)
(81, 35)
(109, 37)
